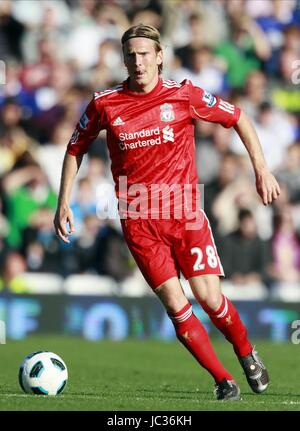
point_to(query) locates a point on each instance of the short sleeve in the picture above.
(87, 129)
(207, 107)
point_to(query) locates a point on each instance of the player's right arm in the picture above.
(63, 220)
(87, 129)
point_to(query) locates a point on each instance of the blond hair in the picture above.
(147, 31)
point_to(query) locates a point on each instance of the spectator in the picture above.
(52, 30)
(236, 195)
(290, 40)
(245, 51)
(26, 190)
(10, 74)
(227, 174)
(268, 122)
(37, 73)
(38, 16)
(285, 248)
(274, 18)
(13, 268)
(112, 254)
(284, 92)
(86, 244)
(212, 144)
(50, 102)
(84, 203)
(84, 40)
(40, 246)
(103, 190)
(285, 201)
(205, 70)
(289, 173)
(190, 24)
(50, 155)
(83, 12)
(14, 141)
(11, 32)
(4, 229)
(108, 68)
(148, 17)
(256, 92)
(243, 253)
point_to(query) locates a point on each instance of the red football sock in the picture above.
(228, 321)
(192, 334)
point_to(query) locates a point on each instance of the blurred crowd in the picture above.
(56, 53)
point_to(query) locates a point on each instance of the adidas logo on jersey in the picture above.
(118, 122)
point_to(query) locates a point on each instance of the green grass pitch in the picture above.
(146, 375)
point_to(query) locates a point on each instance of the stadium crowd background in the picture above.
(55, 54)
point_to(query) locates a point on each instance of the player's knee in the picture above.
(173, 301)
(207, 292)
(212, 302)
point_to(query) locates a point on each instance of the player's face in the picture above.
(142, 61)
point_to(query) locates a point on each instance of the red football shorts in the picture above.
(163, 248)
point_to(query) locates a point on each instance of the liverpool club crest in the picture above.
(167, 112)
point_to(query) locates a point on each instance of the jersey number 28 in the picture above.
(211, 258)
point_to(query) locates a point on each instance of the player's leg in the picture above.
(224, 315)
(200, 264)
(207, 291)
(156, 260)
(192, 334)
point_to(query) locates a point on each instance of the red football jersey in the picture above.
(150, 136)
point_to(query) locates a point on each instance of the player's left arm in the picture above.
(266, 184)
(207, 107)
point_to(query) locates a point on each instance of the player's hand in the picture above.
(64, 222)
(267, 186)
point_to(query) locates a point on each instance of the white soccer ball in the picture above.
(43, 373)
